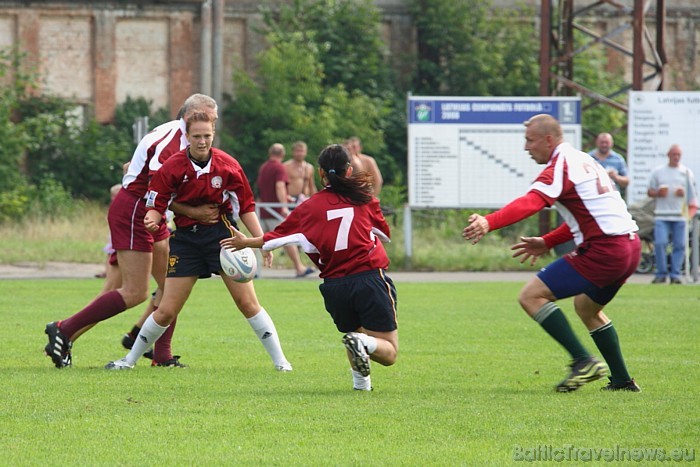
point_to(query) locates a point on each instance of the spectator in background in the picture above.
(272, 188)
(301, 174)
(673, 187)
(613, 162)
(364, 163)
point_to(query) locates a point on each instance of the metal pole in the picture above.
(140, 128)
(205, 48)
(408, 235)
(695, 247)
(217, 71)
(218, 50)
(638, 46)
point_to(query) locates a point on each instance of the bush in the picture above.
(13, 204)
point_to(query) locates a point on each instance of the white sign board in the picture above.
(658, 119)
(469, 152)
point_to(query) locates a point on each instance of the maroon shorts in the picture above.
(126, 225)
(596, 268)
(608, 260)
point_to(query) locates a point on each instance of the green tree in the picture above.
(347, 36)
(128, 111)
(323, 78)
(288, 102)
(466, 48)
(590, 70)
(13, 184)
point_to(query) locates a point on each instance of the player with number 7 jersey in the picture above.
(341, 238)
(341, 228)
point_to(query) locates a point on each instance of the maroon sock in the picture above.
(162, 349)
(103, 307)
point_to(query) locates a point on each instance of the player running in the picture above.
(607, 251)
(341, 229)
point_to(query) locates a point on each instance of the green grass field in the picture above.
(472, 386)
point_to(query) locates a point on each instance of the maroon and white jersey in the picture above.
(154, 149)
(341, 238)
(580, 189)
(222, 182)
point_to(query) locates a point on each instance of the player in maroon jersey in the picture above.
(341, 228)
(607, 251)
(202, 175)
(140, 253)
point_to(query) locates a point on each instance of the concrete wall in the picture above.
(100, 52)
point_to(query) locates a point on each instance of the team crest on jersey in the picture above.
(216, 182)
(151, 198)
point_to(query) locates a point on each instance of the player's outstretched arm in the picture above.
(529, 248)
(240, 241)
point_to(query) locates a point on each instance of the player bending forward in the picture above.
(340, 229)
(606, 254)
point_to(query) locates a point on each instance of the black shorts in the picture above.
(366, 299)
(194, 251)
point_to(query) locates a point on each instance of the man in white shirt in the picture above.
(673, 187)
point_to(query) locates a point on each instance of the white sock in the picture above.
(370, 342)
(149, 333)
(264, 328)
(363, 383)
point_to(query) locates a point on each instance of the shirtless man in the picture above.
(364, 163)
(301, 174)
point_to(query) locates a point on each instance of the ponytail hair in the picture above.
(335, 161)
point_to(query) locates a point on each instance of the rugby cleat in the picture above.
(630, 386)
(119, 365)
(172, 363)
(583, 371)
(358, 353)
(284, 367)
(58, 348)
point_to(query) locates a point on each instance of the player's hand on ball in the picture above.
(529, 248)
(477, 228)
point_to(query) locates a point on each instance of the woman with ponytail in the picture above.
(341, 228)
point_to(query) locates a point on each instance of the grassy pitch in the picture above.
(473, 384)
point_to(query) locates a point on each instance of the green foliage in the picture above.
(345, 33)
(128, 111)
(590, 69)
(289, 102)
(13, 136)
(467, 49)
(86, 161)
(322, 79)
(52, 199)
(13, 204)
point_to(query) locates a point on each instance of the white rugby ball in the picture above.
(240, 265)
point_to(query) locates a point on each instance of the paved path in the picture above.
(55, 270)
